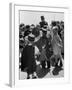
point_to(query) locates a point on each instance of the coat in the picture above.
(27, 59)
(56, 44)
(41, 42)
(43, 55)
(49, 50)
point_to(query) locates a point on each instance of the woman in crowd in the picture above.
(57, 45)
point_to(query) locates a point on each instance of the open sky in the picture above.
(33, 17)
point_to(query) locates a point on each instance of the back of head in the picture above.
(53, 23)
(36, 32)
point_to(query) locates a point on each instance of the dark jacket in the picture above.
(27, 58)
(49, 50)
(43, 23)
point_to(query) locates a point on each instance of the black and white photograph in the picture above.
(41, 44)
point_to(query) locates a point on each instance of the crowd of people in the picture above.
(42, 45)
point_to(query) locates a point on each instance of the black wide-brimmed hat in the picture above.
(31, 37)
(27, 26)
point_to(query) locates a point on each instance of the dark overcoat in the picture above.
(27, 59)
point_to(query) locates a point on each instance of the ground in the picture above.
(45, 73)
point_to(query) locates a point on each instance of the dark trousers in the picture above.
(31, 68)
(48, 64)
(43, 64)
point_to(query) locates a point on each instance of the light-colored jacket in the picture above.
(56, 44)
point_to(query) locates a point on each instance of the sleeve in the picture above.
(36, 50)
